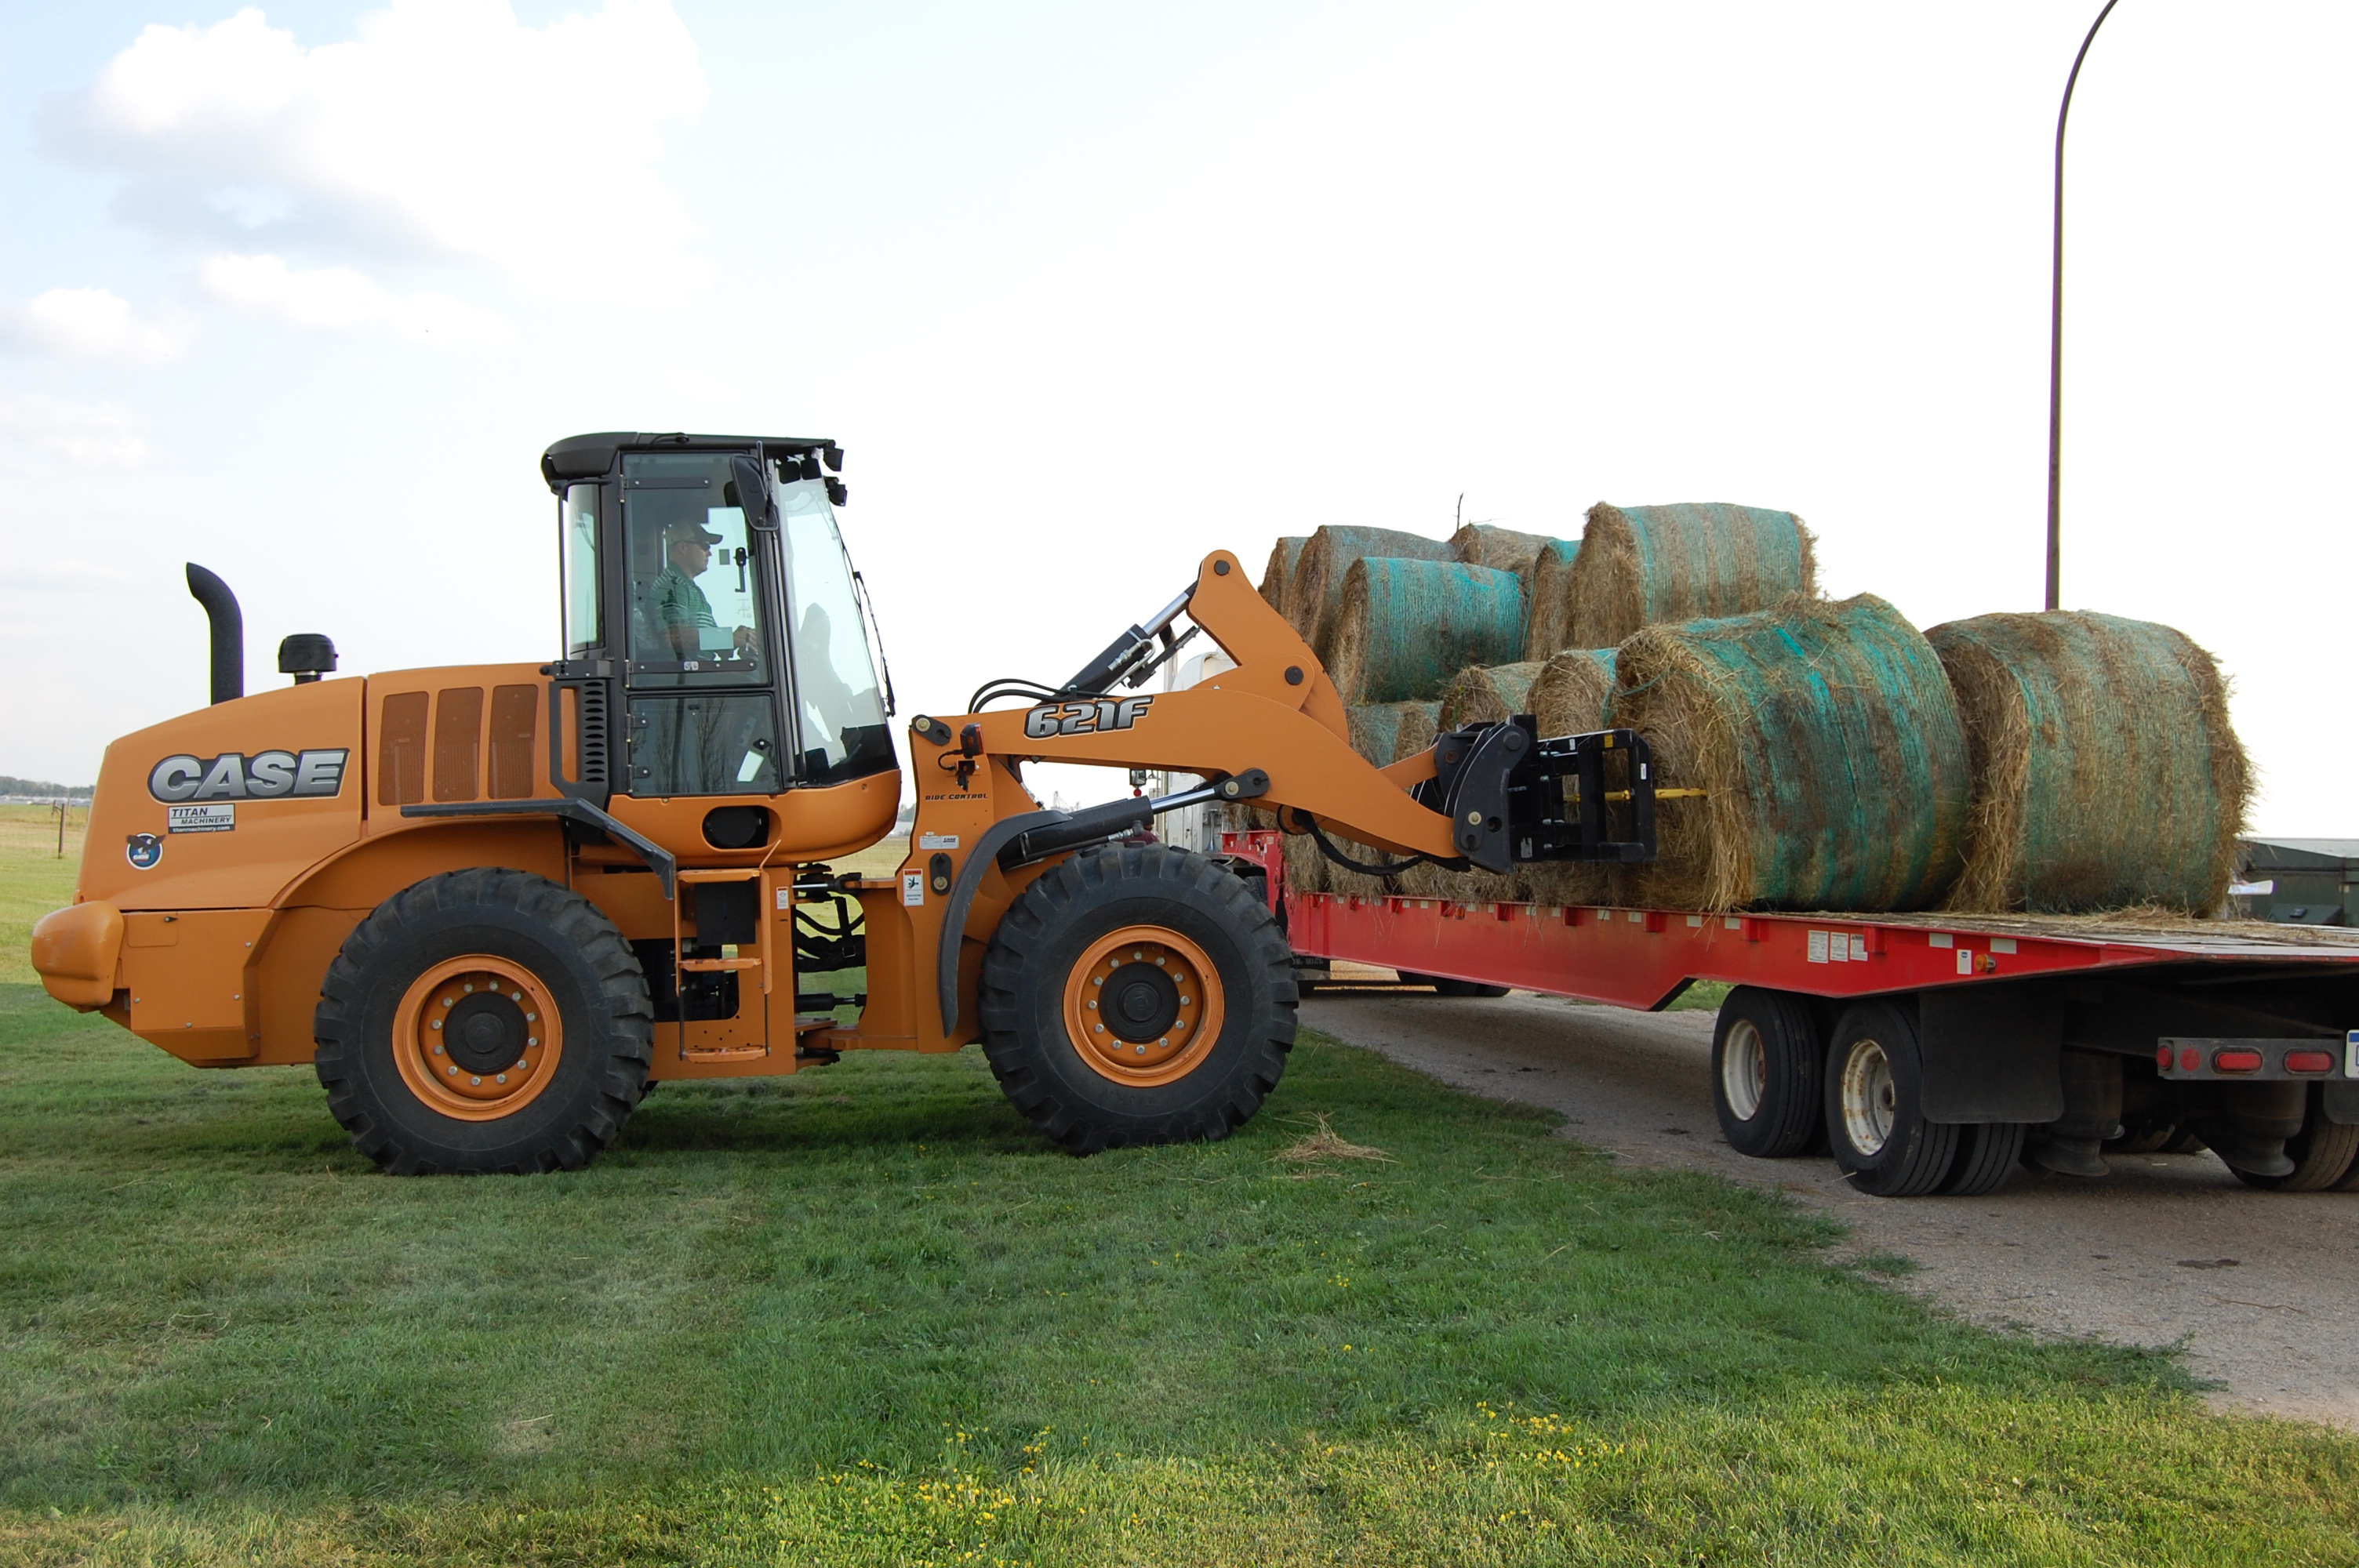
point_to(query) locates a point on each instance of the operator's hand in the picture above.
(744, 636)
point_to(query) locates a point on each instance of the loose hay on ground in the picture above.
(2106, 772)
(1828, 747)
(1642, 566)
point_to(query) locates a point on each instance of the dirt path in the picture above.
(2263, 1288)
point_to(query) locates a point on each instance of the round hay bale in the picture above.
(1486, 694)
(1376, 729)
(1314, 589)
(1830, 748)
(1420, 723)
(2105, 771)
(1280, 571)
(1570, 694)
(1404, 627)
(1549, 621)
(1644, 565)
(1501, 549)
(1306, 868)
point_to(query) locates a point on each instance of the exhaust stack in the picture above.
(229, 632)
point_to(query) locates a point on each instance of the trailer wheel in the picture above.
(1765, 1067)
(1137, 994)
(1875, 1120)
(484, 1021)
(1987, 1151)
(2323, 1154)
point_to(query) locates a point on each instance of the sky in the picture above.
(301, 291)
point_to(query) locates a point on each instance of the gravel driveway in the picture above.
(2260, 1286)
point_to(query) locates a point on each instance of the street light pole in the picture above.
(2056, 337)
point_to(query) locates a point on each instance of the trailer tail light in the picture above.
(2236, 1061)
(2162, 1054)
(2191, 1060)
(2309, 1061)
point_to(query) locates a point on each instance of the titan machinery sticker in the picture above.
(232, 775)
(222, 818)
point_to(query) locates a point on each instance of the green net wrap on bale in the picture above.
(1280, 571)
(2106, 774)
(1404, 627)
(1376, 729)
(1548, 619)
(1314, 589)
(1641, 566)
(1486, 694)
(1830, 749)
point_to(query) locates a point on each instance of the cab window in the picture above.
(694, 577)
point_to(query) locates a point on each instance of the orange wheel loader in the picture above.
(493, 905)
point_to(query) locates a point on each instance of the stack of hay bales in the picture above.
(2105, 772)
(1569, 697)
(1481, 694)
(1828, 745)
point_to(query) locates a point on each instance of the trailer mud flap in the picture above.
(1992, 1053)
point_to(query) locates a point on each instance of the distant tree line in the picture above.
(34, 786)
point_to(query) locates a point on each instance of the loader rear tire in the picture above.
(549, 1036)
(1137, 994)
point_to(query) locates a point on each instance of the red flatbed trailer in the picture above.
(2070, 1036)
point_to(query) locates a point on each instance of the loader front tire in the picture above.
(484, 1021)
(1137, 994)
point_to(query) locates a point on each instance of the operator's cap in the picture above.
(688, 528)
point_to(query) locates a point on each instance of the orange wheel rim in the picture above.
(477, 1037)
(1143, 1006)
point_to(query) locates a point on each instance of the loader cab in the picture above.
(717, 638)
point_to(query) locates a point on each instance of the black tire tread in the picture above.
(1926, 1150)
(1987, 1153)
(1068, 891)
(1793, 1098)
(568, 918)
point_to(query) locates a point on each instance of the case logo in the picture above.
(232, 775)
(1084, 718)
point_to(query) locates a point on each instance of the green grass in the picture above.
(862, 1316)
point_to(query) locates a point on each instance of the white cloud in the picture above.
(88, 435)
(89, 324)
(340, 299)
(444, 127)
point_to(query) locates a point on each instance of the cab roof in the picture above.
(592, 457)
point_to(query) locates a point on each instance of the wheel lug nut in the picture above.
(501, 1079)
(476, 1082)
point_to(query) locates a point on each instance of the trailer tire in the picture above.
(1987, 1151)
(1874, 1105)
(1188, 1061)
(1766, 1063)
(421, 957)
(2323, 1153)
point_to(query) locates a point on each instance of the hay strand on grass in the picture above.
(2105, 771)
(1830, 748)
(1549, 617)
(1641, 566)
(1315, 586)
(1275, 576)
(1404, 627)
(1326, 1143)
(1486, 694)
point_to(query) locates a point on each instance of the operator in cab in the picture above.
(677, 605)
